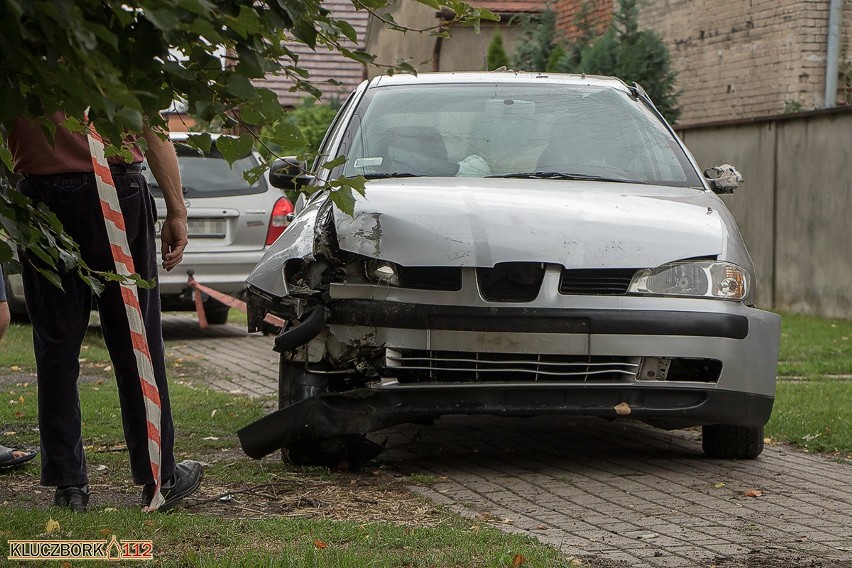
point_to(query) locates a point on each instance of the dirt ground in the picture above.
(372, 494)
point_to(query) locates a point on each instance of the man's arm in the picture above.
(164, 165)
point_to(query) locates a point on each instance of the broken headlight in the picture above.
(382, 272)
(697, 279)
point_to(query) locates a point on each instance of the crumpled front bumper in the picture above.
(744, 339)
(369, 409)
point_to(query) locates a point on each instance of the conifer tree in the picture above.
(496, 56)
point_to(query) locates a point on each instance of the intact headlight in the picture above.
(697, 279)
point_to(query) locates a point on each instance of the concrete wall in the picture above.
(464, 50)
(794, 208)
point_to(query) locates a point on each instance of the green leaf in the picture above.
(344, 200)
(358, 55)
(248, 20)
(177, 69)
(96, 285)
(358, 183)
(338, 161)
(287, 135)
(6, 156)
(305, 32)
(86, 38)
(198, 7)
(233, 149)
(165, 20)
(406, 67)
(51, 276)
(251, 115)
(102, 33)
(347, 30)
(131, 117)
(124, 14)
(240, 86)
(255, 173)
(5, 251)
(202, 141)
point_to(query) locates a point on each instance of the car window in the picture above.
(331, 136)
(210, 175)
(485, 130)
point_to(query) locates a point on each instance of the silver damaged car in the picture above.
(527, 245)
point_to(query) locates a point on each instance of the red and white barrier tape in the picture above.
(225, 299)
(117, 233)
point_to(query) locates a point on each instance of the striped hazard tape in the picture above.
(117, 234)
(229, 301)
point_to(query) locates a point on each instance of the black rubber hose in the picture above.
(296, 336)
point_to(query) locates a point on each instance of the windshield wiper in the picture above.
(563, 175)
(391, 175)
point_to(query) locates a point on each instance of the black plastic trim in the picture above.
(365, 410)
(538, 320)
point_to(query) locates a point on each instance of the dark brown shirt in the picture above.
(33, 154)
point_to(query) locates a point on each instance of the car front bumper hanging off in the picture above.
(369, 409)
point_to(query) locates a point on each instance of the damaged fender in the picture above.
(298, 241)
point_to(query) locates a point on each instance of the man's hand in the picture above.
(164, 165)
(173, 237)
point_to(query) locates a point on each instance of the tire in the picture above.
(340, 452)
(723, 441)
(216, 312)
(295, 384)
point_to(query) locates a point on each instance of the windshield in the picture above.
(210, 175)
(550, 131)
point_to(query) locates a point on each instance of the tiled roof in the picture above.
(510, 6)
(323, 64)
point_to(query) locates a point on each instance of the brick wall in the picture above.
(324, 65)
(742, 58)
(600, 14)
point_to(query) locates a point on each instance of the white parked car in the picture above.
(528, 244)
(230, 224)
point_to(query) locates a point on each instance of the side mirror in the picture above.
(723, 179)
(289, 173)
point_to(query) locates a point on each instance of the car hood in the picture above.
(578, 224)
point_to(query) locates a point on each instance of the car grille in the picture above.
(430, 277)
(511, 281)
(597, 281)
(414, 365)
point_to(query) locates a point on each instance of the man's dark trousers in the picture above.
(60, 319)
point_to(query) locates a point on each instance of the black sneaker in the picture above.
(183, 483)
(74, 497)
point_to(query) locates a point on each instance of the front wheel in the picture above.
(724, 441)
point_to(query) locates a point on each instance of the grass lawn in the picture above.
(265, 512)
(812, 347)
(813, 405)
(247, 512)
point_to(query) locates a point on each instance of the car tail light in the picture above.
(278, 221)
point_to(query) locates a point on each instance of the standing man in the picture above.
(9, 456)
(61, 176)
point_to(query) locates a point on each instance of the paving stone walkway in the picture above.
(240, 363)
(610, 494)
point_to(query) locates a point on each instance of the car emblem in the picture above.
(186, 203)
